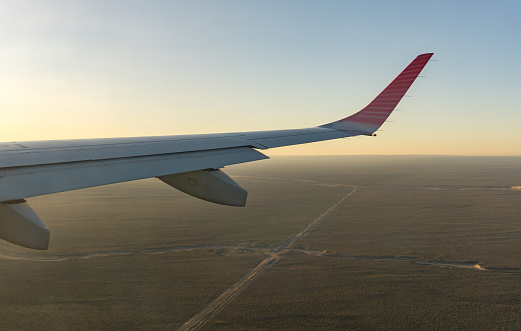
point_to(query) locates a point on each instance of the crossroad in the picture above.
(212, 309)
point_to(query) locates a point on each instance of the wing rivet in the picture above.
(192, 181)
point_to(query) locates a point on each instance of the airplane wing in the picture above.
(189, 163)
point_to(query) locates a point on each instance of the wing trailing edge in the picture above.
(188, 163)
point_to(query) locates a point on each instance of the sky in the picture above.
(94, 69)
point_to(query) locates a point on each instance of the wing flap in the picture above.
(41, 156)
(24, 182)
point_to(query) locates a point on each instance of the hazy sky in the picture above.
(86, 69)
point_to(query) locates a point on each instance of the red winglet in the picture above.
(374, 114)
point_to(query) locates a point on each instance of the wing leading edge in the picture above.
(188, 163)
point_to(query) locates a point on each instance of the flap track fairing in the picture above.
(210, 185)
(20, 225)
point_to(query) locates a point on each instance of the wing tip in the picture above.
(370, 118)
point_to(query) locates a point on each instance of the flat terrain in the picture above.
(400, 242)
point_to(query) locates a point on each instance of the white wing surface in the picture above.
(189, 163)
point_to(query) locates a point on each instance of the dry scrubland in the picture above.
(306, 292)
(408, 210)
(115, 293)
(481, 225)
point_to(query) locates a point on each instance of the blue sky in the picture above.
(85, 69)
